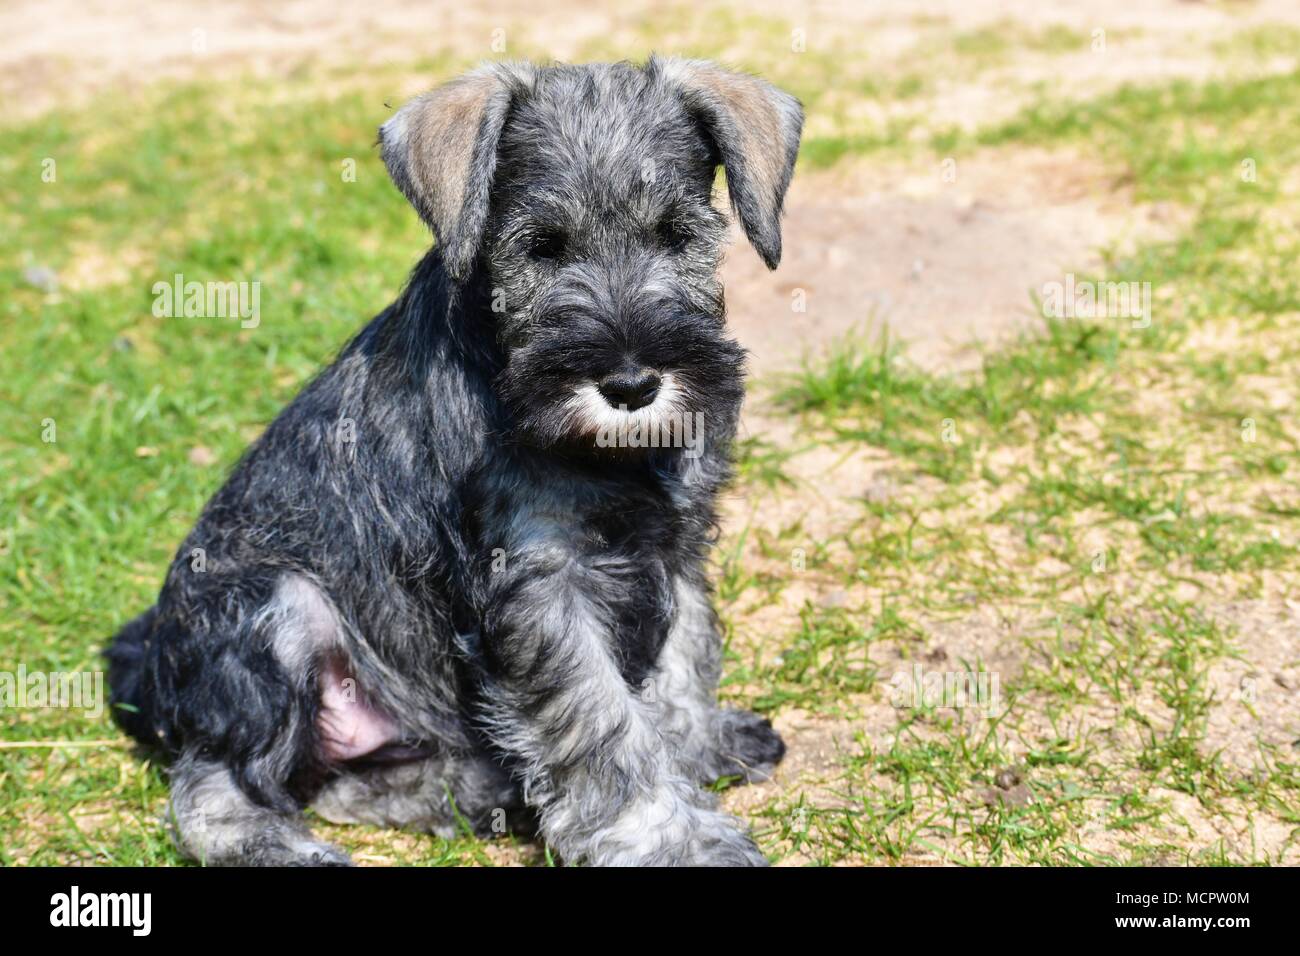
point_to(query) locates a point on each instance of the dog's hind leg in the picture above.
(712, 742)
(216, 823)
(236, 691)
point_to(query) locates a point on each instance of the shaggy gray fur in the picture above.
(454, 581)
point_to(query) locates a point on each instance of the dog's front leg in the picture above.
(713, 742)
(596, 766)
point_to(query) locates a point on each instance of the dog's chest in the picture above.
(634, 555)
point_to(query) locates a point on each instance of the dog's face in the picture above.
(585, 207)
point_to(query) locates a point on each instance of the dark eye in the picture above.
(672, 236)
(547, 245)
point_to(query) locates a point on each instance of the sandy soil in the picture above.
(940, 264)
(61, 50)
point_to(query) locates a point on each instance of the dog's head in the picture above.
(581, 197)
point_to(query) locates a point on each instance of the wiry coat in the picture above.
(430, 549)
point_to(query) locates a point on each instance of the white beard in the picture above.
(663, 423)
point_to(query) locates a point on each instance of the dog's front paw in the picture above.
(727, 847)
(296, 852)
(748, 746)
(326, 854)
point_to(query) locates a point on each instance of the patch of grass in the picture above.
(1259, 42)
(762, 463)
(828, 662)
(869, 393)
(996, 43)
(1223, 142)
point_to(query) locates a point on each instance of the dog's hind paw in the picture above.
(748, 746)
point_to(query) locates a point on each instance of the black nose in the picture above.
(630, 388)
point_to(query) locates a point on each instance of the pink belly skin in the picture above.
(348, 726)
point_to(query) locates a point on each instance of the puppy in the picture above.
(461, 578)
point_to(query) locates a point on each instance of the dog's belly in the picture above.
(348, 726)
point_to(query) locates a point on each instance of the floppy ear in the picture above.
(441, 150)
(755, 128)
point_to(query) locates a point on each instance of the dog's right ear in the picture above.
(441, 150)
(756, 129)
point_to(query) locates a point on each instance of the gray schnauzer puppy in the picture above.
(461, 578)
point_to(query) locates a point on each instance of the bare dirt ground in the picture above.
(59, 51)
(940, 260)
(940, 265)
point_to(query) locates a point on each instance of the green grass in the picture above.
(1182, 141)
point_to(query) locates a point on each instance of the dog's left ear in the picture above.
(756, 128)
(441, 150)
